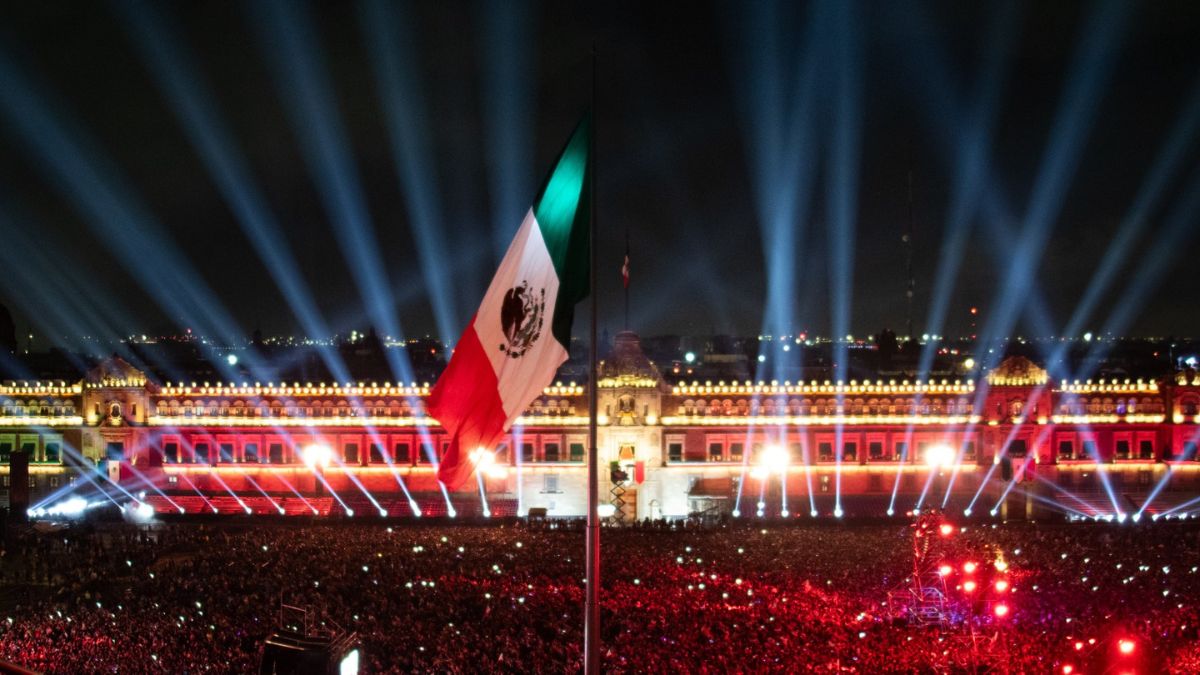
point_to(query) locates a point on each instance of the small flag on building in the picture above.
(521, 333)
(625, 266)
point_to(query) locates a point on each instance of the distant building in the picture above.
(667, 450)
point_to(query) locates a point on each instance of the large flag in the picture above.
(521, 333)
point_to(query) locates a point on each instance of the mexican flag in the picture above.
(520, 335)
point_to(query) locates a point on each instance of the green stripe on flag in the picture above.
(563, 212)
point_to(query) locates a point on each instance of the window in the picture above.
(1089, 448)
(201, 451)
(1066, 450)
(172, 480)
(577, 452)
(969, 454)
(33, 481)
(850, 451)
(825, 482)
(796, 453)
(5, 452)
(53, 452)
(171, 453)
(901, 451)
(735, 452)
(551, 452)
(53, 481)
(350, 450)
(1143, 478)
(377, 454)
(1146, 449)
(875, 482)
(527, 452)
(115, 451)
(4, 482)
(227, 452)
(1122, 449)
(715, 453)
(550, 482)
(400, 453)
(426, 453)
(30, 450)
(275, 453)
(875, 450)
(1017, 448)
(674, 452)
(250, 453)
(825, 452)
(1189, 450)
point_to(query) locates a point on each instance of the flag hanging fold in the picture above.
(521, 333)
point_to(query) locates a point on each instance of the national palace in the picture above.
(1013, 442)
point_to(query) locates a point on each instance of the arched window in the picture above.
(1188, 406)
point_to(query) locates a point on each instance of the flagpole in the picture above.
(591, 621)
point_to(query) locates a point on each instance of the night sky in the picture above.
(490, 92)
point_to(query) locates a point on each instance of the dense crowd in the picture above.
(746, 596)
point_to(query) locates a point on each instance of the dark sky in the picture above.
(492, 91)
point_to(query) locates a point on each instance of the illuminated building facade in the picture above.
(861, 448)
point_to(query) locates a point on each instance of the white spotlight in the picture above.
(737, 513)
(383, 513)
(317, 455)
(939, 456)
(813, 513)
(967, 512)
(774, 459)
(837, 512)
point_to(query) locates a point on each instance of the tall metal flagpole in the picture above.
(591, 621)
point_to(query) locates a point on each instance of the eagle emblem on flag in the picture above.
(521, 317)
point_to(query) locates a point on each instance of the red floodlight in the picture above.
(945, 570)
(1001, 586)
(969, 586)
(1126, 646)
(946, 529)
(1000, 610)
(969, 568)
(1068, 669)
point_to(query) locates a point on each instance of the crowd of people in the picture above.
(507, 597)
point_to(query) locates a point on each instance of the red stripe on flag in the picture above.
(466, 401)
